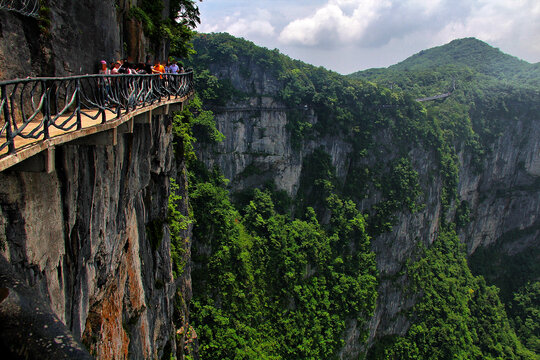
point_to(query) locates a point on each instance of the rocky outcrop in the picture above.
(184, 336)
(502, 228)
(91, 241)
(30, 329)
(505, 195)
(257, 146)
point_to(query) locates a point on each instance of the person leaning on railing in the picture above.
(158, 68)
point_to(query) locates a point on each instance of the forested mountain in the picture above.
(492, 91)
(351, 210)
(469, 53)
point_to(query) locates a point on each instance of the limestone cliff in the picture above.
(71, 37)
(503, 232)
(503, 196)
(91, 240)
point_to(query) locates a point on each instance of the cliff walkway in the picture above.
(38, 114)
(435, 97)
(439, 96)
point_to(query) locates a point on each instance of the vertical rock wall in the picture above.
(90, 238)
(71, 37)
(503, 195)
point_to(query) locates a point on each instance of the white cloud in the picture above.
(257, 24)
(372, 23)
(339, 21)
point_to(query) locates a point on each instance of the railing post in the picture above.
(46, 109)
(7, 118)
(177, 77)
(78, 102)
(161, 87)
(169, 86)
(128, 92)
(101, 94)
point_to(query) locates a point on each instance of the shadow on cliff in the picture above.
(29, 328)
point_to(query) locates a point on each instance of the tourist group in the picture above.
(126, 66)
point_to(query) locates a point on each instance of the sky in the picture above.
(352, 35)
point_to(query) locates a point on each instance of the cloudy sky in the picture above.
(352, 35)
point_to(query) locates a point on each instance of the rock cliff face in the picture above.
(263, 142)
(503, 235)
(71, 37)
(90, 239)
(502, 197)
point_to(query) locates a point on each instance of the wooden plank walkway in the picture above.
(26, 148)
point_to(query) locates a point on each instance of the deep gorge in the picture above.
(289, 212)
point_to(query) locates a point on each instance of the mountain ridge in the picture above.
(471, 53)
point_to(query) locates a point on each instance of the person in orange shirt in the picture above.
(158, 68)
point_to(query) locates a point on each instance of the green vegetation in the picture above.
(525, 314)
(457, 317)
(44, 19)
(477, 56)
(176, 28)
(401, 190)
(271, 288)
(282, 278)
(359, 111)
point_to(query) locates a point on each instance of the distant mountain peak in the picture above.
(469, 52)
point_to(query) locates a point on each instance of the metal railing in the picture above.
(31, 107)
(24, 7)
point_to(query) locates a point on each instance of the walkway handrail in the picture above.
(24, 7)
(30, 107)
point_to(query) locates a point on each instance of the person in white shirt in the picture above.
(173, 68)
